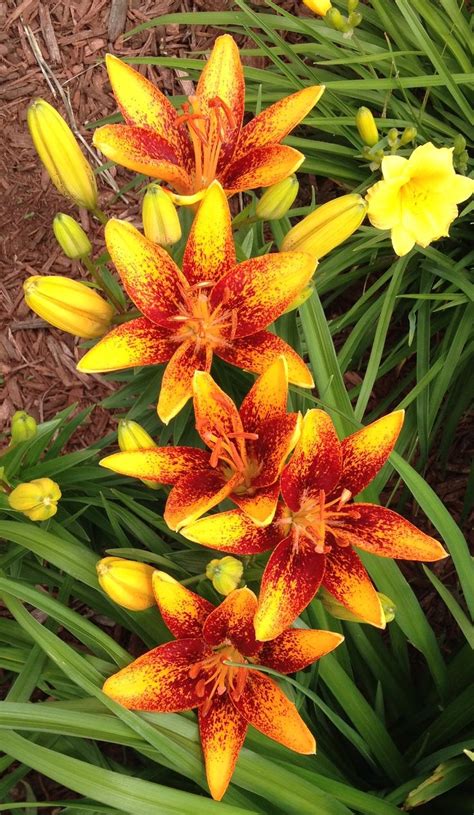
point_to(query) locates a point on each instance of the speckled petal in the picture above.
(257, 352)
(166, 465)
(195, 494)
(259, 290)
(347, 580)
(291, 578)
(233, 532)
(268, 396)
(183, 611)
(267, 708)
(177, 382)
(365, 452)
(233, 620)
(222, 730)
(159, 680)
(261, 506)
(210, 250)
(261, 167)
(297, 648)
(138, 342)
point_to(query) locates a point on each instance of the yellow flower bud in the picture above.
(37, 499)
(277, 200)
(160, 217)
(60, 153)
(225, 573)
(335, 19)
(318, 6)
(392, 138)
(132, 436)
(23, 427)
(408, 135)
(127, 582)
(71, 237)
(69, 305)
(366, 126)
(326, 227)
(340, 612)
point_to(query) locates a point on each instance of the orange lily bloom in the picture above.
(214, 305)
(191, 672)
(248, 451)
(207, 140)
(317, 525)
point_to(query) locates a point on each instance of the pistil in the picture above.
(207, 134)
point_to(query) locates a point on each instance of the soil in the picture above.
(37, 363)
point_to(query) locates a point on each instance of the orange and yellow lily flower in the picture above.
(193, 672)
(207, 140)
(317, 525)
(248, 449)
(214, 305)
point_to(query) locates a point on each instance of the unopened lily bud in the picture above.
(326, 227)
(352, 5)
(60, 153)
(408, 135)
(225, 573)
(160, 217)
(37, 499)
(131, 437)
(318, 6)
(71, 237)
(23, 427)
(340, 612)
(354, 19)
(301, 298)
(366, 126)
(459, 144)
(334, 18)
(278, 199)
(69, 305)
(127, 582)
(392, 137)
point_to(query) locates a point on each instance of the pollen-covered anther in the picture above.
(219, 678)
(207, 133)
(315, 518)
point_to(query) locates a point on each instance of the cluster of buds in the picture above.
(460, 154)
(372, 150)
(37, 499)
(334, 18)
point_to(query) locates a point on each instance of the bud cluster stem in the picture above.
(97, 278)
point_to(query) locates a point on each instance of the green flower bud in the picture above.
(277, 199)
(392, 137)
(334, 19)
(459, 144)
(354, 19)
(71, 237)
(225, 573)
(160, 217)
(408, 135)
(23, 427)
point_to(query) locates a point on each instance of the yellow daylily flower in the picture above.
(418, 196)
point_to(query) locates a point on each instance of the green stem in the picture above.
(190, 580)
(97, 278)
(100, 215)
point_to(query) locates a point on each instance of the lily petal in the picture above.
(261, 506)
(296, 648)
(216, 413)
(266, 708)
(142, 104)
(261, 167)
(210, 250)
(195, 494)
(234, 532)
(159, 680)
(177, 382)
(276, 121)
(276, 440)
(316, 462)
(144, 151)
(222, 730)
(364, 453)
(223, 78)
(291, 578)
(183, 611)
(149, 275)
(233, 620)
(166, 465)
(257, 352)
(138, 342)
(260, 289)
(268, 396)
(347, 580)
(385, 533)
